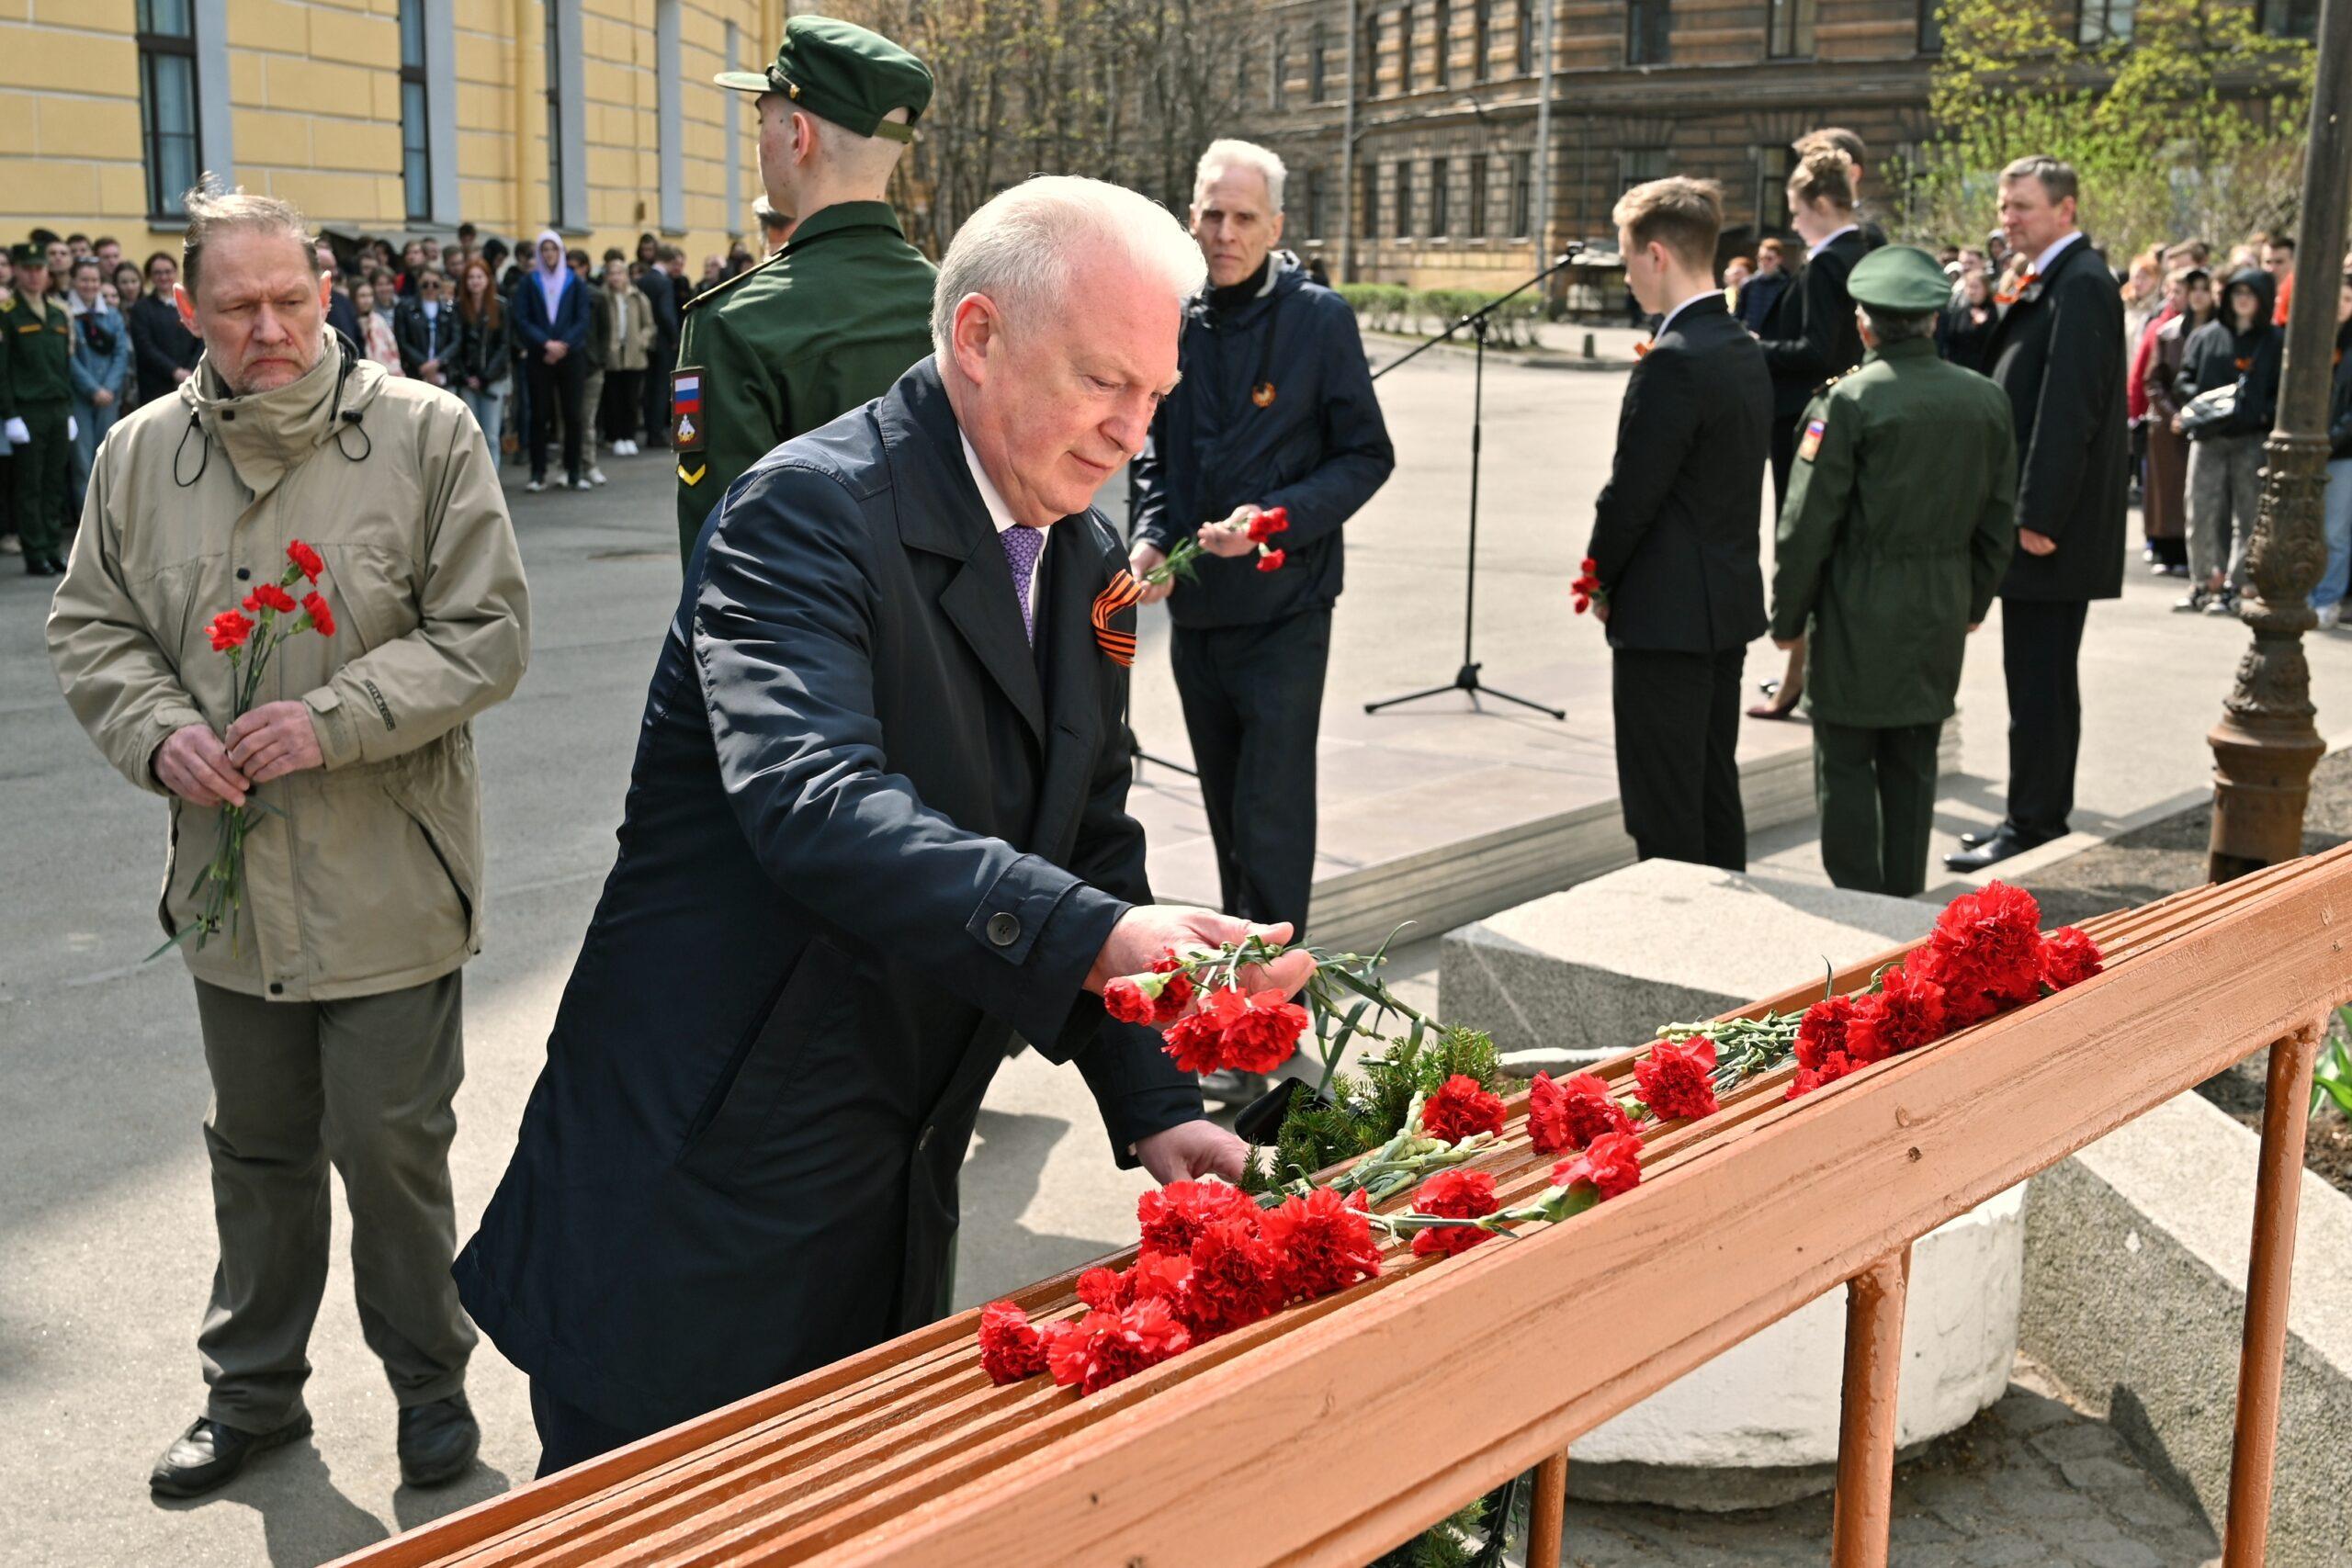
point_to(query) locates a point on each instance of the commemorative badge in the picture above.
(685, 410)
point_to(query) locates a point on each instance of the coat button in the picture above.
(242, 573)
(1003, 929)
(276, 989)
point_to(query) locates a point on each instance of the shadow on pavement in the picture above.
(995, 1252)
(305, 1520)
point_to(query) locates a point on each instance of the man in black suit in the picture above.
(1675, 540)
(2057, 350)
(876, 826)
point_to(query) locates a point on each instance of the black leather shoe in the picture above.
(57, 565)
(208, 1455)
(2004, 843)
(438, 1441)
(1969, 840)
(36, 566)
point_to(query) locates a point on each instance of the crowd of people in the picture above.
(450, 313)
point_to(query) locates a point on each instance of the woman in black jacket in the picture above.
(485, 352)
(163, 351)
(2238, 347)
(2328, 597)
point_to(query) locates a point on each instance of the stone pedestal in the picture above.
(1578, 976)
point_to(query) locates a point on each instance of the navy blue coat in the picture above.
(533, 326)
(869, 834)
(1320, 449)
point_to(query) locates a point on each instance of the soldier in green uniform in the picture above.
(837, 315)
(36, 409)
(1899, 521)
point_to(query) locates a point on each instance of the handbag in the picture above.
(2207, 410)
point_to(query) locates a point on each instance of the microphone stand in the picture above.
(1479, 322)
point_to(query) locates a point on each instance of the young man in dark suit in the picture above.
(1675, 538)
(2057, 351)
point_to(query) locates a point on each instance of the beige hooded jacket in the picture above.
(366, 876)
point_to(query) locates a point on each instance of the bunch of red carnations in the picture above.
(1212, 1260)
(1263, 527)
(1586, 588)
(1987, 954)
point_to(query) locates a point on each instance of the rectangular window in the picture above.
(1477, 228)
(1639, 165)
(1481, 25)
(1368, 220)
(1404, 47)
(1932, 27)
(2105, 21)
(1315, 64)
(1774, 163)
(1648, 25)
(167, 103)
(1404, 200)
(1372, 54)
(1788, 28)
(1313, 204)
(1276, 68)
(416, 147)
(1522, 194)
(1437, 214)
(2291, 19)
(1445, 43)
(1524, 44)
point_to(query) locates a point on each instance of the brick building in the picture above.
(1447, 181)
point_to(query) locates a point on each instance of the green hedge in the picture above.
(1393, 308)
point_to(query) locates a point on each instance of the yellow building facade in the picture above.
(390, 117)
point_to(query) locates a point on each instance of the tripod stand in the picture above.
(1477, 321)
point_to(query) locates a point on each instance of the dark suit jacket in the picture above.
(1813, 335)
(2059, 355)
(869, 835)
(1675, 534)
(420, 340)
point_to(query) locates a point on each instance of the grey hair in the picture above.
(1023, 247)
(1229, 153)
(212, 210)
(1890, 327)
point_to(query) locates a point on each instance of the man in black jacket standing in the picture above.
(1674, 539)
(2057, 351)
(1275, 410)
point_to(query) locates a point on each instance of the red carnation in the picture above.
(1267, 524)
(1589, 567)
(1570, 1114)
(1125, 1000)
(1195, 1043)
(1820, 1033)
(1172, 1217)
(1237, 1279)
(1674, 1078)
(305, 560)
(1987, 952)
(229, 631)
(1455, 1195)
(1248, 1033)
(1272, 560)
(1612, 1164)
(1902, 1015)
(1323, 1241)
(1461, 1108)
(270, 596)
(322, 618)
(1104, 1348)
(2069, 957)
(1151, 1276)
(1175, 992)
(1010, 1347)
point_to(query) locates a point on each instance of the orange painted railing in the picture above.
(1335, 1429)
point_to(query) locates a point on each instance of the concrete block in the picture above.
(1581, 974)
(2136, 1255)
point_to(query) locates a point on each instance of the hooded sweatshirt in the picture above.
(2219, 354)
(550, 279)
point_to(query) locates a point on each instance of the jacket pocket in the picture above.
(735, 1117)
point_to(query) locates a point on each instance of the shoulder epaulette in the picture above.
(716, 289)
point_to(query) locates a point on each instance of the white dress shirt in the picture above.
(2041, 263)
(1002, 515)
(1812, 251)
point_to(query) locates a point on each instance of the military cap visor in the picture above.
(845, 73)
(1901, 280)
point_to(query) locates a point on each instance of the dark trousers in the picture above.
(569, 1434)
(1876, 792)
(624, 404)
(2041, 645)
(363, 1085)
(1253, 699)
(655, 393)
(43, 478)
(1677, 780)
(1784, 458)
(555, 392)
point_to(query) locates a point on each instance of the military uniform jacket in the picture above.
(870, 833)
(36, 353)
(1899, 523)
(825, 325)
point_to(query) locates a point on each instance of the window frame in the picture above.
(416, 129)
(1403, 227)
(1789, 28)
(1523, 195)
(166, 206)
(1481, 210)
(1661, 12)
(1524, 37)
(2107, 11)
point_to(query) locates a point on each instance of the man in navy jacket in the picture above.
(876, 826)
(1275, 410)
(551, 329)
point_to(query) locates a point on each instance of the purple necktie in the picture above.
(1022, 546)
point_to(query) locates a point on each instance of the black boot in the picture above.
(438, 1441)
(208, 1455)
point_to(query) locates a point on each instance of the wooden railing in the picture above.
(1335, 1429)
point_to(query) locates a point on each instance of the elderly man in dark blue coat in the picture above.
(877, 825)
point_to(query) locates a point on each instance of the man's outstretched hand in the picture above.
(1190, 1150)
(1150, 931)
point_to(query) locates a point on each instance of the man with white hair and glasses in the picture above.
(876, 826)
(1275, 410)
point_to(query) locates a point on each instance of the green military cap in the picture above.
(842, 72)
(1902, 280)
(28, 256)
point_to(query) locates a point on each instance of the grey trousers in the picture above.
(2224, 493)
(367, 1084)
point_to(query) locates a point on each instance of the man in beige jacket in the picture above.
(331, 1020)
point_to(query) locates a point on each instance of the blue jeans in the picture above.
(2336, 508)
(91, 424)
